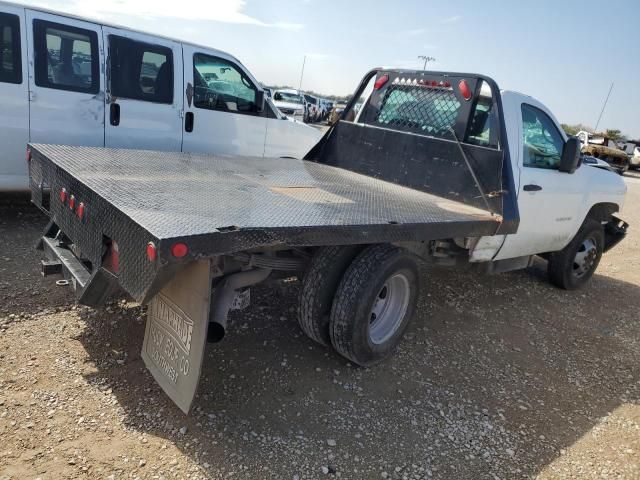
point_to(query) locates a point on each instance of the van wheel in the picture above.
(319, 286)
(573, 266)
(374, 302)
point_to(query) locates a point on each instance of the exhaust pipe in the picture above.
(223, 296)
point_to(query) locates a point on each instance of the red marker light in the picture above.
(80, 211)
(447, 84)
(63, 195)
(465, 91)
(28, 154)
(152, 252)
(381, 82)
(179, 250)
(115, 257)
(72, 202)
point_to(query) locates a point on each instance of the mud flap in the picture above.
(176, 333)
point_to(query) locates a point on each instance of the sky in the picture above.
(564, 53)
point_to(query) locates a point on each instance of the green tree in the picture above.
(569, 129)
(614, 134)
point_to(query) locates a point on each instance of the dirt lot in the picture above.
(499, 377)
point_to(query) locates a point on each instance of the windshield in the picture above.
(288, 97)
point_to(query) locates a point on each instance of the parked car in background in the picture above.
(290, 102)
(602, 147)
(635, 158)
(56, 86)
(313, 107)
(335, 113)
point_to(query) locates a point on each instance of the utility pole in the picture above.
(426, 60)
(304, 60)
(595, 130)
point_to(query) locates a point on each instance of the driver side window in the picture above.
(221, 85)
(542, 141)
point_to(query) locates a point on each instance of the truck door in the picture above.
(220, 105)
(66, 88)
(143, 104)
(14, 120)
(549, 201)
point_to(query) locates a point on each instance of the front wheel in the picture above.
(374, 303)
(573, 266)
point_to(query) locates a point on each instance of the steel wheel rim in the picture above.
(585, 257)
(389, 308)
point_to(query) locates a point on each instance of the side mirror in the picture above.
(570, 155)
(260, 100)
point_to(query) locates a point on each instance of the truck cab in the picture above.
(552, 201)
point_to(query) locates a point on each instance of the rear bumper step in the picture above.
(90, 288)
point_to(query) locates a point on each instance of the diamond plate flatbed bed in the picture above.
(220, 205)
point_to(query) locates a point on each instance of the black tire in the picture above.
(360, 287)
(562, 269)
(319, 286)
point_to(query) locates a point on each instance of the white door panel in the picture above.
(65, 80)
(14, 99)
(144, 85)
(218, 105)
(548, 200)
(287, 138)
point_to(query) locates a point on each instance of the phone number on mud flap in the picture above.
(167, 355)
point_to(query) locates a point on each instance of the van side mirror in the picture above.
(260, 100)
(570, 155)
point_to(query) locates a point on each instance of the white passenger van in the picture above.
(65, 80)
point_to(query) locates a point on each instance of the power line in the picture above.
(603, 107)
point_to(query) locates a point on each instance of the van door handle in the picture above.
(114, 114)
(188, 122)
(532, 188)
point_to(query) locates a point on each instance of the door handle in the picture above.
(114, 114)
(532, 188)
(188, 122)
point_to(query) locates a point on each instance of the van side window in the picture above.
(10, 56)
(140, 71)
(542, 141)
(66, 58)
(221, 85)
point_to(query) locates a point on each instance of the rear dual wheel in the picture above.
(371, 304)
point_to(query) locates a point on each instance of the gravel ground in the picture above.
(498, 377)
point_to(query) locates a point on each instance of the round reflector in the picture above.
(152, 252)
(63, 195)
(80, 211)
(465, 91)
(179, 250)
(72, 202)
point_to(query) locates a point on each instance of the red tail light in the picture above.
(179, 250)
(152, 252)
(465, 91)
(381, 82)
(72, 202)
(113, 260)
(80, 211)
(63, 195)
